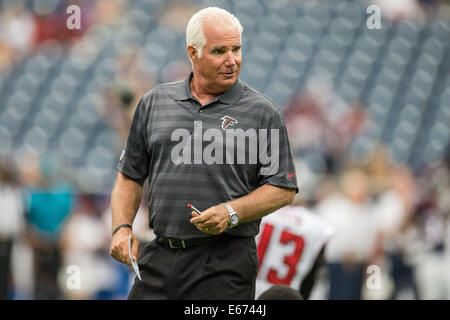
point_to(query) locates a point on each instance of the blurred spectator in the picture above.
(117, 109)
(11, 221)
(85, 244)
(433, 262)
(107, 11)
(48, 203)
(400, 10)
(120, 98)
(394, 210)
(378, 167)
(16, 33)
(176, 70)
(349, 212)
(318, 120)
(6, 58)
(177, 15)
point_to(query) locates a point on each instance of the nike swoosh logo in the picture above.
(291, 175)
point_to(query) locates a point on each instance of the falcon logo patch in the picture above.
(228, 122)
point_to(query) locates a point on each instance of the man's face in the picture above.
(220, 64)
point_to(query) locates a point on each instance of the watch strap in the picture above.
(231, 212)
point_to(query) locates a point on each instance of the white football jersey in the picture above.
(289, 241)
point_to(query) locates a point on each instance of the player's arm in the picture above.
(308, 282)
(125, 201)
(253, 206)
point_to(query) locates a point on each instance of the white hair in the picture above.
(194, 30)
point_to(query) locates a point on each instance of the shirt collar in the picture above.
(183, 92)
(230, 96)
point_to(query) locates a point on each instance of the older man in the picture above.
(213, 142)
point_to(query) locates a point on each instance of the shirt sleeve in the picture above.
(276, 164)
(134, 159)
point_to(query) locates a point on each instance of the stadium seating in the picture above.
(400, 74)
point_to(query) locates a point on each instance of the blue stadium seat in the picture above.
(127, 37)
(389, 78)
(156, 53)
(285, 73)
(20, 100)
(6, 140)
(38, 65)
(440, 30)
(326, 61)
(10, 121)
(261, 57)
(71, 143)
(368, 44)
(308, 27)
(295, 58)
(343, 29)
(353, 11)
(255, 75)
(316, 11)
(279, 92)
(250, 25)
(267, 40)
(36, 140)
(151, 7)
(402, 47)
(410, 30)
(283, 9)
(275, 24)
(249, 8)
(298, 40)
(394, 62)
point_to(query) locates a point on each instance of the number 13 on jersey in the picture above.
(272, 242)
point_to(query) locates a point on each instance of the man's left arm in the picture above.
(253, 206)
(262, 201)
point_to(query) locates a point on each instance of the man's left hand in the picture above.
(212, 221)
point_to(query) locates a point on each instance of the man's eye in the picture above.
(236, 49)
(218, 51)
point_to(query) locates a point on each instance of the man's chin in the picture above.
(227, 80)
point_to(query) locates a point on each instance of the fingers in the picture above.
(211, 221)
(119, 247)
(134, 248)
(120, 255)
(199, 223)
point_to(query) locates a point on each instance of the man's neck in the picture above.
(203, 93)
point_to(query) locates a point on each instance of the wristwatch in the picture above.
(233, 218)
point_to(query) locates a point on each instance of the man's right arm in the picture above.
(125, 200)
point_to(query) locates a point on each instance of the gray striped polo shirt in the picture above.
(204, 155)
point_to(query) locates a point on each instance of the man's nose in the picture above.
(230, 59)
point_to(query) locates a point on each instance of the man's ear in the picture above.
(193, 53)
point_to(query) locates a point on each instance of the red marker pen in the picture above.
(194, 208)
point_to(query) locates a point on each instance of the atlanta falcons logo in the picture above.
(228, 122)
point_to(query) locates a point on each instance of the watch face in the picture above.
(234, 219)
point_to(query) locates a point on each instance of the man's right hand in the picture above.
(119, 246)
